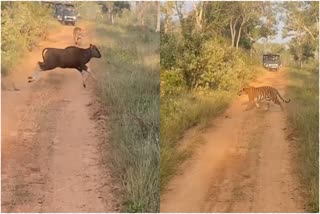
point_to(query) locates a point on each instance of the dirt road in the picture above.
(244, 166)
(51, 149)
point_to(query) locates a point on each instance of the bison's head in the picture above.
(94, 51)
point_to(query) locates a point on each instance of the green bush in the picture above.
(168, 50)
(23, 24)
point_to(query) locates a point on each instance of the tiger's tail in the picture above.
(282, 98)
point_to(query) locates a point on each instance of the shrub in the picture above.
(23, 24)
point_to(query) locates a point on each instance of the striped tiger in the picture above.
(257, 94)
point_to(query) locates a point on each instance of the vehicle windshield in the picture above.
(59, 8)
(271, 58)
(69, 12)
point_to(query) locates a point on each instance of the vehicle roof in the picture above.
(69, 5)
(270, 54)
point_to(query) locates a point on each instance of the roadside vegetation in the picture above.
(303, 90)
(303, 116)
(207, 54)
(129, 88)
(24, 25)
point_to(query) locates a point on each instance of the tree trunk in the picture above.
(111, 18)
(180, 14)
(239, 34)
(232, 33)
(199, 12)
(141, 13)
(158, 16)
(166, 25)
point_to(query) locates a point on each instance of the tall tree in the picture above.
(240, 19)
(199, 14)
(301, 23)
(113, 8)
(167, 11)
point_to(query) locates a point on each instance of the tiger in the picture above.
(257, 94)
(77, 35)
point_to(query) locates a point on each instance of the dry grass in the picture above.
(129, 86)
(303, 116)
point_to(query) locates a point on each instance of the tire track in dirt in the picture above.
(51, 149)
(244, 166)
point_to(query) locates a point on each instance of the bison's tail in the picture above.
(43, 52)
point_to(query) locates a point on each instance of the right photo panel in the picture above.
(239, 106)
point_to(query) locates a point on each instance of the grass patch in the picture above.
(303, 115)
(129, 86)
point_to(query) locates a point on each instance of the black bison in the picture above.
(77, 35)
(70, 57)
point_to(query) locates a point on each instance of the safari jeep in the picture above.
(271, 61)
(69, 14)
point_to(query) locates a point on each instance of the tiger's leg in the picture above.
(268, 104)
(257, 102)
(276, 101)
(250, 105)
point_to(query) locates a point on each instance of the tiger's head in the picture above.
(244, 91)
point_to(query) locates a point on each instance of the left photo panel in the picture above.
(80, 106)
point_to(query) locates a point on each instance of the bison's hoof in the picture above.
(30, 77)
(29, 81)
(84, 85)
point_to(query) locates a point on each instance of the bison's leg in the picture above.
(89, 71)
(84, 78)
(35, 75)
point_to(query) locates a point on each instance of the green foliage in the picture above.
(171, 83)
(129, 86)
(168, 50)
(23, 24)
(302, 52)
